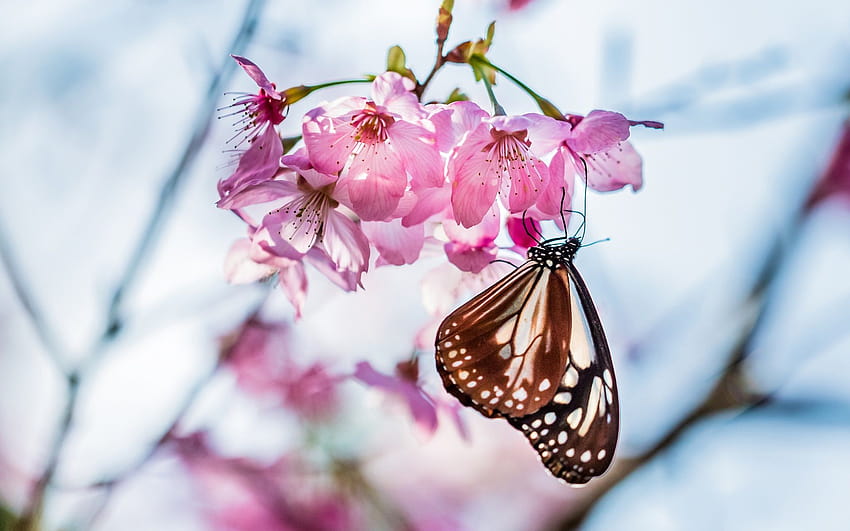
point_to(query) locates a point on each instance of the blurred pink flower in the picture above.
(373, 145)
(474, 248)
(498, 157)
(260, 356)
(835, 181)
(237, 494)
(259, 114)
(405, 386)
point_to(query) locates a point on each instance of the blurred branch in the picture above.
(109, 485)
(29, 520)
(168, 193)
(13, 272)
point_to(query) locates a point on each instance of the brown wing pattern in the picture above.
(502, 352)
(576, 433)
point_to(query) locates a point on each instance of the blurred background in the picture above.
(138, 390)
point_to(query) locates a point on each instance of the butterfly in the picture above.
(531, 349)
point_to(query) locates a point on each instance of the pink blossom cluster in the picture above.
(387, 173)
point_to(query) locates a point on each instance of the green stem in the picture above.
(313, 88)
(548, 108)
(498, 110)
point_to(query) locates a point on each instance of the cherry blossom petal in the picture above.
(345, 279)
(258, 163)
(559, 191)
(615, 168)
(455, 120)
(259, 193)
(300, 221)
(421, 406)
(293, 282)
(546, 133)
(527, 179)
(257, 75)
(397, 244)
(416, 146)
(329, 140)
(599, 131)
(239, 268)
(345, 243)
(468, 258)
(475, 181)
(376, 181)
(392, 91)
(523, 233)
(481, 234)
(512, 124)
(429, 202)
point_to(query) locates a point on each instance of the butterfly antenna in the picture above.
(527, 232)
(597, 241)
(505, 262)
(583, 227)
(563, 200)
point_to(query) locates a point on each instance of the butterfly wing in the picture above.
(502, 352)
(575, 434)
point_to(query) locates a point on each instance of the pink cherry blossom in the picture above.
(259, 114)
(497, 157)
(598, 142)
(374, 144)
(474, 248)
(308, 216)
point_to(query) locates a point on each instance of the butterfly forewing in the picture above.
(499, 353)
(576, 433)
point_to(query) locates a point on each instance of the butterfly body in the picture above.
(531, 349)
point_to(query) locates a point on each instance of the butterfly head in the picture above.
(555, 253)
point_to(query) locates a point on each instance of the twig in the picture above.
(42, 329)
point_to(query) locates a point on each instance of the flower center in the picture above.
(508, 147)
(371, 125)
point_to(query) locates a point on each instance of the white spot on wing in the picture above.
(594, 405)
(563, 398)
(504, 333)
(544, 384)
(570, 377)
(574, 418)
(585, 457)
(550, 418)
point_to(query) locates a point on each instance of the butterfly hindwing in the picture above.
(499, 353)
(576, 433)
